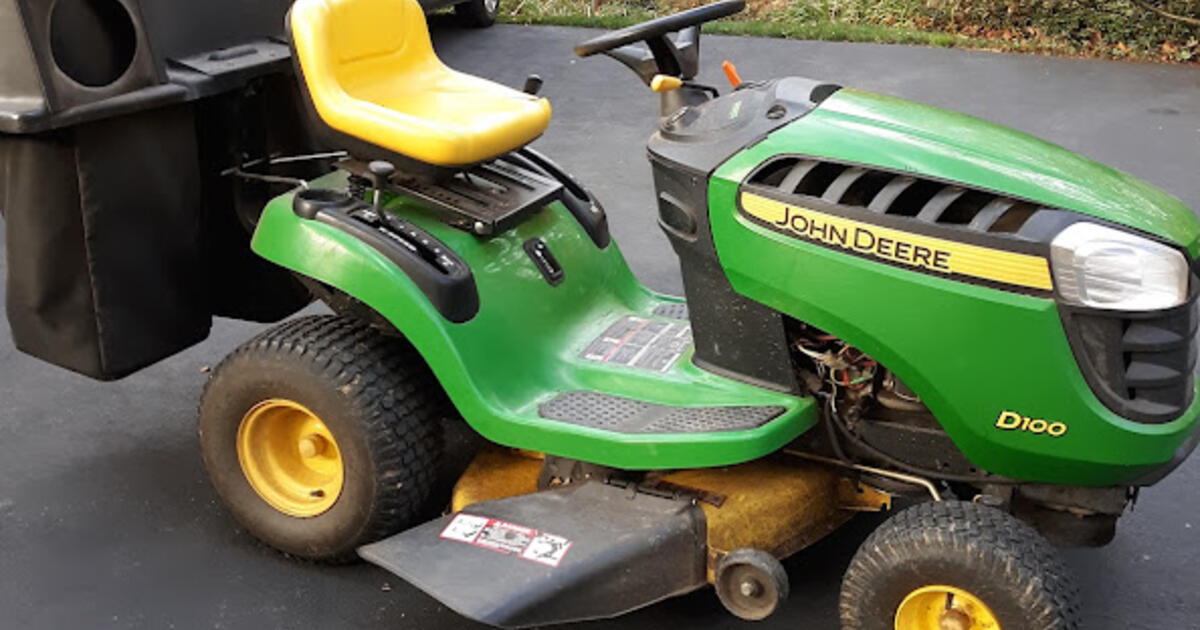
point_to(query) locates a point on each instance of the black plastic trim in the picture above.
(1041, 227)
(146, 98)
(580, 202)
(701, 137)
(440, 274)
(545, 261)
(1139, 364)
(733, 335)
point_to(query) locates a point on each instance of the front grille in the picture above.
(1139, 365)
(895, 194)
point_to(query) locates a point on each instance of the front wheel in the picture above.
(477, 13)
(958, 566)
(321, 435)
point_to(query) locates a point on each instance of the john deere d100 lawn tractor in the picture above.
(885, 303)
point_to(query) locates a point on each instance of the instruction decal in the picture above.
(638, 342)
(507, 538)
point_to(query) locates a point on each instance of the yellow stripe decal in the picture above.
(905, 248)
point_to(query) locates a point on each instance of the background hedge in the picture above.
(1105, 28)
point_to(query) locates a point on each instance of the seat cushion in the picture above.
(371, 72)
(449, 118)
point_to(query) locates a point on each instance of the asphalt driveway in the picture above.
(107, 521)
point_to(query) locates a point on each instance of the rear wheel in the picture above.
(477, 13)
(957, 566)
(321, 435)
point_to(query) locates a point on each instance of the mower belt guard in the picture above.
(582, 552)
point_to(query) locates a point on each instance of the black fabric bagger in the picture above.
(122, 237)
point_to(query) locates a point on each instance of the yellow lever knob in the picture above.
(664, 83)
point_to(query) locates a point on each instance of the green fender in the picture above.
(524, 345)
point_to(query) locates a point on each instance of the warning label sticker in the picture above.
(504, 536)
(547, 549)
(465, 528)
(637, 342)
(507, 538)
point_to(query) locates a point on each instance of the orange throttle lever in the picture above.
(731, 73)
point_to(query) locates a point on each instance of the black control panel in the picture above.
(701, 137)
(412, 238)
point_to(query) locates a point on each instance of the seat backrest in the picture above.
(376, 89)
(344, 45)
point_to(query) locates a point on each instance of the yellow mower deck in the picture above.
(780, 504)
(512, 556)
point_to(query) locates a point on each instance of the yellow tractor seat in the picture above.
(371, 73)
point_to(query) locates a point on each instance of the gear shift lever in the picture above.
(381, 172)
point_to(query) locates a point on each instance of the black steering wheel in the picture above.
(659, 27)
(678, 58)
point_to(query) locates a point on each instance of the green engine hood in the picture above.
(895, 134)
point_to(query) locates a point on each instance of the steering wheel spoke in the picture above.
(687, 43)
(636, 58)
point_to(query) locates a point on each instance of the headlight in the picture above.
(1100, 267)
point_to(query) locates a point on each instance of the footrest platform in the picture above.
(625, 415)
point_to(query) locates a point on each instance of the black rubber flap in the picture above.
(582, 552)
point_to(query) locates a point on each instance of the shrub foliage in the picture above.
(1162, 30)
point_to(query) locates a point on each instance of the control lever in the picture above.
(731, 73)
(381, 173)
(533, 84)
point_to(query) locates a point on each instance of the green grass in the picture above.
(841, 32)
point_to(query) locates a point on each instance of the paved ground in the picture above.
(106, 520)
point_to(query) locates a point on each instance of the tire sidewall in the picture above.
(1001, 561)
(241, 386)
(883, 604)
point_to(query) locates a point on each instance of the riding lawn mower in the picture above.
(887, 306)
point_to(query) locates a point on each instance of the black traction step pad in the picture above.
(672, 310)
(584, 551)
(625, 415)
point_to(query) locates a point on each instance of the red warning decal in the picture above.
(507, 538)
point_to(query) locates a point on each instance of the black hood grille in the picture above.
(894, 194)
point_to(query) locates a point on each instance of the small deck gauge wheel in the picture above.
(751, 584)
(953, 565)
(320, 435)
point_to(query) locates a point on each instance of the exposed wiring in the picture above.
(835, 419)
(310, 157)
(830, 409)
(845, 370)
(273, 179)
(241, 172)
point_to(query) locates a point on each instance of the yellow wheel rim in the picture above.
(290, 458)
(944, 608)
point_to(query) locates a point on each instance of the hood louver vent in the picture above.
(894, 194)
